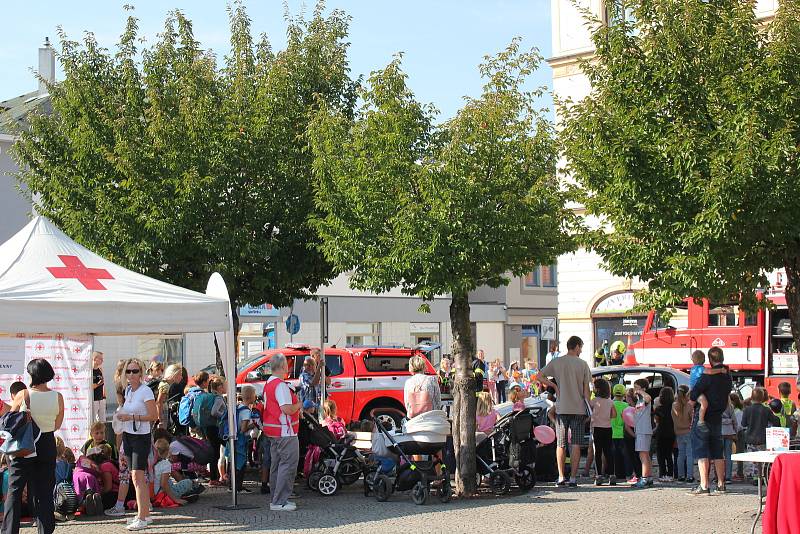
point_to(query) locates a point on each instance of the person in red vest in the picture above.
(281, 422)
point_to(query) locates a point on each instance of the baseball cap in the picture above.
(619, 389)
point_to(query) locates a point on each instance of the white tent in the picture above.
(49, 283)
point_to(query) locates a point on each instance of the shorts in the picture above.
(573, 424)
(707, 444)
(137, 449)
(643, 442)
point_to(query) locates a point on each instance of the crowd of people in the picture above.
(169, 439)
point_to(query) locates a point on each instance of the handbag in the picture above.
(419, 401)
(20, 434)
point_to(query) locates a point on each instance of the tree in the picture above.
(441, 209)
(687, 148)
(176, 168)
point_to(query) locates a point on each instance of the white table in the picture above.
(764, 459)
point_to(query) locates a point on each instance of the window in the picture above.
(387, 364)
(723, 315)
(363, 334)
(333, 365)
(542, 276)
(164, 349)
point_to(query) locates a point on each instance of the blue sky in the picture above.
(442, 40)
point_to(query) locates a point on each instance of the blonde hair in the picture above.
(516, 394)
(416, 364)
(162, 447)
(156, 366)
(329, 408)
(97, 425)
(215, 383)
(129, 361)
(485, 403)
(60, 447)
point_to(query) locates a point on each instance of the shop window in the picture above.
(542, 276)
(363, 334)
(723, 315)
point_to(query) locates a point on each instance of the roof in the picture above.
(51, 284)
(14, 111)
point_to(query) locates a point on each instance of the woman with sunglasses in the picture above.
(137, 414)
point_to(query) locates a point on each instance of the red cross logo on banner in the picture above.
(75, 428)
(59, 356)
(75, 408)
(57, 378)
(74, 370)
(74, 268)
(2, 390)
(39, 347)
(19, 378)
(76, 389)
(78, 350)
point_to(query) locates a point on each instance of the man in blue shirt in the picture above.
(309, 385)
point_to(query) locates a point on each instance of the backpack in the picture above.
(224, 431)
(65, 499)
(200, 449)
(185, 407)
(153, 385)
(203, 410)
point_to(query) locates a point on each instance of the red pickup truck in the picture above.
(364, 382)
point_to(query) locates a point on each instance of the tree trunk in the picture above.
(792, 266)
(236, 325)
(463, 396)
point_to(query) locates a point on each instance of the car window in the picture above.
(612, 378)
(333, 365)
(387, 364)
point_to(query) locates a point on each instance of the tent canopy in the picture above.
(49, 283)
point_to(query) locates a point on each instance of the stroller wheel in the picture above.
(445, 491)
(350, 472)
(420, 492)
(313, 480)
(382, 487)
(328, 484)
(369, 482)
(500, 482)
(526, 479)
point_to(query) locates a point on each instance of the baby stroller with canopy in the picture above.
(508, 453)
(424, 435)
(335, 463)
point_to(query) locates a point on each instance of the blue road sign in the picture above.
(293, 324)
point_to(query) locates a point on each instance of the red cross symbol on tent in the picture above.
(75, 428)
(39, 347)
(74, 268)
(75, 408)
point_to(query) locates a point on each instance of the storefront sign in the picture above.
(262, 310)
(12, 356)
(424, 328)
(615, 304)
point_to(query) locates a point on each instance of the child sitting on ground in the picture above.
(698, 370)
(64, 462)
(485, 414)
(179, 492)
(517, 396)
(331, 421)
(97, 433)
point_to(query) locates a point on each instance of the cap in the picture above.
(618, 389)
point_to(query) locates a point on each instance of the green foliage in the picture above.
(688, 146)
(439, 209)
(175, 167)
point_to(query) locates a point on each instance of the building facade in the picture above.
(592, 303)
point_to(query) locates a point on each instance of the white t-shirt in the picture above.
(176, 448)
(135, 405)
(284, 397)
(160, 469)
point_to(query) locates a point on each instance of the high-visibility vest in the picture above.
(272, 411)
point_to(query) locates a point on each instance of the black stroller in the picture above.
(414, 475)
(508, 453)
(339, 463)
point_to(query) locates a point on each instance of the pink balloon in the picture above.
(628, 415)
(544, 434)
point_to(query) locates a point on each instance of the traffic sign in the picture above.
(293, 324)
(549, 328)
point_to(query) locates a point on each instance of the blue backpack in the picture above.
(224, 431)
(185, 407)
(203, 410)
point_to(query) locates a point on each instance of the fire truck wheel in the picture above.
(389, 415)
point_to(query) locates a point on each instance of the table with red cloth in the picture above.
(781, 507)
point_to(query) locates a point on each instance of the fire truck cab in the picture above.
(757, 346)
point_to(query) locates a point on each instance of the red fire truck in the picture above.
(757, 346)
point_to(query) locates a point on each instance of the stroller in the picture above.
(425, 435)
(508, 453)
(339, 463)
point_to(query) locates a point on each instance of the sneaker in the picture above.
(115, 512)
(689, 480)
(598, 481)
(721, 490)
(573, 483)
(148, 519)
(642, 483)
(562, 482)
(264, 488)
(191, 498)
(138, 524)
(681, 479)
(59, 517)
(698, 491)
(612, 481)
(633, 480)
(648, 482)
(288, 507)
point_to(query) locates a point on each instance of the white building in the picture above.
(592, 303)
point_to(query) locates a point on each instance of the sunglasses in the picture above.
(132, 371)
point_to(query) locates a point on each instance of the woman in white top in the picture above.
(421, 392)
(137, 414)
(39, 472)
